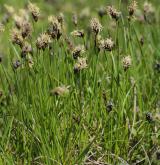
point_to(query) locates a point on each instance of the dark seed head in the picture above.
(109, 106)
(102, 12)
(149, 117)
(16, 64)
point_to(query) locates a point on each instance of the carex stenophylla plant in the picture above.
(80, 86)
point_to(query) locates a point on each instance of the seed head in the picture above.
(55, 29)
(101, 11)
(16, 64)
(26, 29)
(75, 19)
(149, 117)
(148, 8)
(80, 65)
(16, 37)
(18, 21)
(95, 25)
(10, 10)
(60, 19)
(149, 13)
(43, 41)
(132, 7)
(106, 44)
(30, 62)
(69, 43)
(26, 49)
(85, 13)
(126, 62)
(60, 91)
(113, 12)
(34, 10)
(24, 14)
(109, 106)
(77, 51)
(78, 33)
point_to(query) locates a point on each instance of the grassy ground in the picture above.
(56, 110)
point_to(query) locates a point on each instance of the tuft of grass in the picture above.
(79, 82)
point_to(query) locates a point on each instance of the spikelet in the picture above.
(106, 44)
(16, 37)
(77, 51)
(132, 8)
(43, 41)
(148, 8)
(80, 65)
(18, 20)
(149, 12)
(60, 91)
(102, 11)
(55, 29)
(26, 49)
(95, 25)
(10, 10)
(60, 18)
(85, 13)
(30, 62)
(113, 13)
(78, 33)
(126, 62)
(26, 29)
(24, 14)
(34, 10)
(16, 64)
(75, 19)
